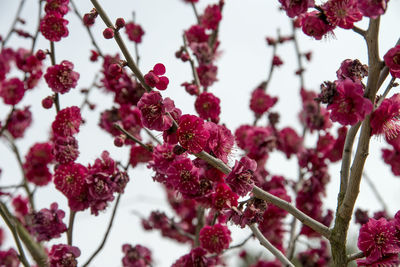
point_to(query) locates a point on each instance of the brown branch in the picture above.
(128, 57)
(89, 31)
(11, 225)
(355, 256)
(35, 36)
(148, 148)
(265, 243)
(301, 216)
(70, 226)
(191, 61)
(103, 242)
(346, 206)
(12, 28)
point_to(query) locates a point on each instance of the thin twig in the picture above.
(195, 12)
(359, 31)
(298, 54)
(241, 244)
(265, 243)
(387, 90)
(148, 148)
(12, 28)
(346, 160)
(106, 234)
(70, 226)
(199, 225)
(191, 61)
(152, 136)
(35, 36)
(53, 62)
(89, 31)
(12, 227)
(375, 191)
(4, 127)
(301, 216)
(128, 57)
(355, 256)
(24, 183)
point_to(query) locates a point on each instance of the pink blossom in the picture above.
(392, 61)
(47, 224)
(294, 8)
(196, 34)
(153, 111)
(215, 238)
(224, 197)
(289, 142)
(61, 78)
(134, 32)
(192, 133)
(352, 69)
(342, 13)
(240, 179)
(349, 105)
(220, 142)
(184, 177)
(208, 106)
(377, 239)
(372, 8)
(385, 119)
(12, 91)
(59, 6)
(212, 16)
(313, 25)
(261, 102)
(53, 26)
(63, 256)
(19, 121)
(67, 122)
(136, 256)
(207, 74)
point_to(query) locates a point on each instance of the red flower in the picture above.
(385, 119)
(136, 256)
(392, 60)
(59, 6)
(289, 142)
(63, 256)
(65, 149)
(349, 105)
(19, 121)
(134, 32)
(352, 69)
(36, 161)
(240, 179)
(224, 197)
(54, 27)
(184, 177)
(261, 102)
(139, 154)
(208, 106)
(207, 74)
(67, 122)
(372, 8)
(153, 111)
(192, 134)
(47, 224)
(196, 34)
(211, 18)
(220, 142)
(70, 180)
(313, 25)
(215, 238)
(342, 13)
(61, 78)
(294, 8)
(377, 239)
(12, 91)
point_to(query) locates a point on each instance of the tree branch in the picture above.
(265, 243)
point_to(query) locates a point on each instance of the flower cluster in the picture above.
(47, 224)
(155, 79)
(36, 163)
(61, 77)
(136, 256)
(379, 241)
(53, 26)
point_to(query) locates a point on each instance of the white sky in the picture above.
(242, 66)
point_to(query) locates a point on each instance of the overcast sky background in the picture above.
(243, 65)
